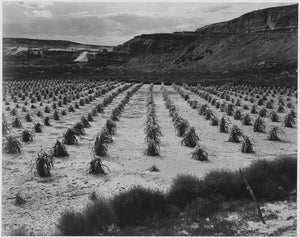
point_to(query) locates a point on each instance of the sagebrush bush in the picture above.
(274, 116)
(138, 205)
(85, 121)
(203, 207)
(56, 116)
(184, 189)
(181, 125)
(101, 143)
(214, 121)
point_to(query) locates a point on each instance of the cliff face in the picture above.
(257, 40)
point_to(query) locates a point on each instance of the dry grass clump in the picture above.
(17, 123)
(273, 133)
(27, 136)
(247, 145)
(69, 137)
(289, 121)
(59, 150)
(235, 134)
(190, 138)
(43, 164)
(200, 154)
(259, 125)
(224, 125)
(96, 167)
(11, 145)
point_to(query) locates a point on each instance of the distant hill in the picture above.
(256, 41)
(60, 44)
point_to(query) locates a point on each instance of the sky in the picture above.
(113, 23)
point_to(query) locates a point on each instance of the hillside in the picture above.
(245, 44)
(60, 44)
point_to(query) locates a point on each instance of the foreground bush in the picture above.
(139, 204)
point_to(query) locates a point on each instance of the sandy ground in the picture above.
(70, 186)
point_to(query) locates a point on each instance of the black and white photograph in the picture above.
(149, 118)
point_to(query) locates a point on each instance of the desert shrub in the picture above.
(76, 105)
(12, 145)
(273, 133)
(17, 123)
(56, 115)
(85, 122)
(235, 134)
(184, 189)
(96, 167)
(69, 137)
(73, 224)
(153, 148)
(289, 121)
(63, 112)
(153, 132)
(203, 207)
(259, 125)
(43, 164)
(138, 205)
(273, 180)
(289, 105)
(262, 112)
(110, 126)
(260, 102)
(224, 125)
(24, 109)
(59, 150)
(274, 116)
(54, 106)
(190, 138)
(200, 154)
(47, 121)
(27, 136)
(247, 145)
(225, 183)
(181, 125)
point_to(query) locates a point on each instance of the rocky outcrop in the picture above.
(222, 47)
(284, 18)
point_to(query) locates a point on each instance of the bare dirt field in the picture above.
(70, 186)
